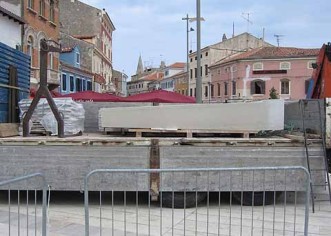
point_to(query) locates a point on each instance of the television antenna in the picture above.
(278, 38)
(246, 16)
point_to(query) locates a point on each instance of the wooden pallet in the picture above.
(191, 133)
(38, 129)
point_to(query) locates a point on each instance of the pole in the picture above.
(187, 56)
(199, 79)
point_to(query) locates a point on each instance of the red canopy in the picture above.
(160, 96)
(53, 93)
(93, 96)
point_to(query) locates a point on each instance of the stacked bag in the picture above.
(73, 115)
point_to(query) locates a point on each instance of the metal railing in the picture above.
(208, 201)
(26, 209)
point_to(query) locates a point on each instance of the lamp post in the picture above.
(199, 79)
(187, 52)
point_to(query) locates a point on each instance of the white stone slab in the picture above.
(251, 116)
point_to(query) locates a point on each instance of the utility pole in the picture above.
(188, 52)
(199, 79)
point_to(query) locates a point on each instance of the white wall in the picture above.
(10, 32)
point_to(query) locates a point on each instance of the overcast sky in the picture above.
(154, 28)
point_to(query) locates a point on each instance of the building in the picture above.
(180, 83)
(252, 75)
(73, 77)
(11, 23)
(42, 18)
(94, 26)
(213, 53)
(143, 85)
(120, 83)
(167, 83)
(145, 79)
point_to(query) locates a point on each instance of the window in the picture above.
(196, 58)
(84, 84)
(50, 61)
(258, 87)
(30, 48)
(166, 73)
(77, 58)
(258, 66)
(89, 85)
(212, 90)
(195, 72)
(225, 88)
(219, 90)
(285, 86)
(234, 88)
(219, 71)
(191, 59)
(64, 82)
(206, 69)
(72, 84)
(42, 7)
(30, 4)
(191, 73)
(285, 65)
(233, 69)
(206, 54)
(51, 11)
(206, 91)
(200, 70)
(307, 83)
(78, 84)
(191, 92)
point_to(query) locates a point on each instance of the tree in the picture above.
(273, 93)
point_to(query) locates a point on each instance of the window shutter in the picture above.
(263, 87)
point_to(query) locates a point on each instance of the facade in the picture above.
(73, 77)
(11, 23)
(252, 75)
(93, 26)
(42, 18)
(145, 79)
(167, 83)
(143, 84)
(216, 52)
(180, 83)
(120, 83)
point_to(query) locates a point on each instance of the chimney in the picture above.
(224, 38)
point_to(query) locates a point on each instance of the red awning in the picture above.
(93, 97)
(160, 96)
(53, 93)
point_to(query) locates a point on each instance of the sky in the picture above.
(155, 30)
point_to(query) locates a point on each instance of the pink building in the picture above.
(251, 75)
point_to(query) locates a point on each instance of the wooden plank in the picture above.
(8, 130)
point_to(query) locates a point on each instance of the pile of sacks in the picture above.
(73, 115)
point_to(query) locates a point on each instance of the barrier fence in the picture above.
(208, 201)
(25, 213)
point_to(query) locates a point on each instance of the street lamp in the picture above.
(199, 79)
(187, 18)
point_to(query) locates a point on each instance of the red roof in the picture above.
(93, 97)
(178, 65)
(160, 96)
(273, 53)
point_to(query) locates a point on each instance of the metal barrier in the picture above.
(209, 201)
(25, 220)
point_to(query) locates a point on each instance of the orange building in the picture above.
(42, 18)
